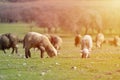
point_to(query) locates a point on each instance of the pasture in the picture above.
(103, 64)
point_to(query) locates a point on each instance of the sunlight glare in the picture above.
(115, 3)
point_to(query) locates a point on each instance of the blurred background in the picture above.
(69, 16)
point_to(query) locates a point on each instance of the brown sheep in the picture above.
(55, 40)
(78, 40)
(114, 41)
(36, 40)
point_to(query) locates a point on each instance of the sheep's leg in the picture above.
(26, 53)
(29, 53)
(12, 50)
(82, 56)
(16, 50)
(42, 51)
(4, 51)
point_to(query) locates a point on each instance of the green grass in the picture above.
(103, 64)
(18, 28)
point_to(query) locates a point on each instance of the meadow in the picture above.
(103, 64)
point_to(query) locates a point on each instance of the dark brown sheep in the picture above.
(8, 41)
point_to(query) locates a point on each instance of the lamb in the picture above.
(55, 40)
(36, 40)
(99, 39)
(77, 40)
(116, 41)
(86, 46)
(8, 41)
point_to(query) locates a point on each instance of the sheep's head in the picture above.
(85, 53)
(52, 52)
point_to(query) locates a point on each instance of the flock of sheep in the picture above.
(86, 43)
(44, 42)
(51, 43)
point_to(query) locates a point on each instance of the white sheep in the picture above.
(86, 46)
(99, 39)
(36, 40)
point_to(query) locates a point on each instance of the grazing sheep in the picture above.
(116, 41)
(36, 40)
(55, 40)
(86, 46)
(99, 39)
(77, 40)
(8, 41)
(110, 41)
(85, 53)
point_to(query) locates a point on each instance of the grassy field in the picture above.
(104, 63)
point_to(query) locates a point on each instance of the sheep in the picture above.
(86, 46)
(55, 40)
(99, 39)
(8, 41)
(4, 43)
(77, 40)
(85, 53)
(40, 41)
(110, 41)
(116, 41)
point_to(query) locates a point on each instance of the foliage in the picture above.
(48, 14)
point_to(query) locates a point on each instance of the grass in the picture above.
(104, 63)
